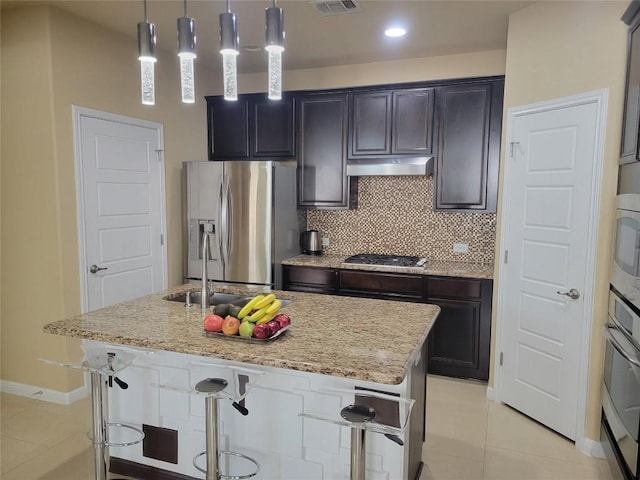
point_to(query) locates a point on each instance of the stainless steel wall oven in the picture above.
(621, 387)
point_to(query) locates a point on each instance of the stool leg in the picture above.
(357, 453)
(211, 432)
(98, 420)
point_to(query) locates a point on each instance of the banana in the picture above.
(274, 307)
(249, 306)
(257, 315)
(267, 317)
(265, 302)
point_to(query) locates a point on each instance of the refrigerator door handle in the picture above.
(222, 231)
(229, 224)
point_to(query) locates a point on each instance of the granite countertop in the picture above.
(356, 338)
(433, 267)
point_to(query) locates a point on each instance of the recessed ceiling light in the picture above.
(252, 48)
(395, 32)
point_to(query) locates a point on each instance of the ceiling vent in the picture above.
(335, 7)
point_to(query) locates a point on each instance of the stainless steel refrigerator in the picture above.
(250, 208)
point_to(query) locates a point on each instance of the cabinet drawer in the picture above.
(453, 287)
(382, 283)
(323, 277)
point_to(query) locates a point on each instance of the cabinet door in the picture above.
(322, 160)
(412, 124)
(370, 124)
(272, 130)
(228, 128)
(469, 125)
(631, 120)
(459, 342)
(454, 342)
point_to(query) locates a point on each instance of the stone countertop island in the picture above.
(357, 338)
(336, 349)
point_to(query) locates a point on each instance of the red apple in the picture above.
(261, 331)
(283, 319)
(273, 327)
(213, 323)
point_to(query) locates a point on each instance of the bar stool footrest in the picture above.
(233, 454)
(122, 444)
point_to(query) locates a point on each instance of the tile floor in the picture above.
(468, 438)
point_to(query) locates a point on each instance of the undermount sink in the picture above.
(216, 299)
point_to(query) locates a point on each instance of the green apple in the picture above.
(246, 329)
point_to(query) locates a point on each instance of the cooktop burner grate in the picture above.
(386, 260)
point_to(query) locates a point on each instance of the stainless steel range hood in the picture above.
(390, 166)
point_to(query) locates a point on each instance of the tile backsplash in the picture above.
(395, 216)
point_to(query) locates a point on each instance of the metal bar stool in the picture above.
(231, 383)
(360, 416)
(103, 363)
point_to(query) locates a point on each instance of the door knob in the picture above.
(96, 269)
(572, 294)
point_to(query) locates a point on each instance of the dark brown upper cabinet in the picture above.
(469, 126)
(391, 122)
(322, 151)
(251, 128)
(630, 148)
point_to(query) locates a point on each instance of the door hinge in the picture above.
(159, 153)
(512, 147)
(506, 256)
(501, 358)
(161, 239)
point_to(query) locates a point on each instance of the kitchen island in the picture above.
(334, 343)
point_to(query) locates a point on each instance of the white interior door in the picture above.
(121, 208)
(551, 189)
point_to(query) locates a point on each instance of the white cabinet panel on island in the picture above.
(332, 356)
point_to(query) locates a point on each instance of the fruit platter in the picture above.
(259, 320)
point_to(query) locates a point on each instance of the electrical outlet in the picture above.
(325, 242)
(460, 248)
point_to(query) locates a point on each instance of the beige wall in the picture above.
(477, 64)
(556, 49)
(51, 61)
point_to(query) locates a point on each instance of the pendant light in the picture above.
(147, 57)
(187, 53)
(274, 47)
(229, 51)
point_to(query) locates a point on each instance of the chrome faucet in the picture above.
(206, 240)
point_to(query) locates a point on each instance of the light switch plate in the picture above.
(460, 248)
(325, 241)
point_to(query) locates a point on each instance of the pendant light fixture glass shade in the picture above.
(187, 54)
(274, 47)
(146, 55)
(229, 51)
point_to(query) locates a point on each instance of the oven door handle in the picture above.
(630, 357)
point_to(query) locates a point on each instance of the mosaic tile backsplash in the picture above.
(395, 216)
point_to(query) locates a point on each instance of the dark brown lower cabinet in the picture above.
(309, 279)
(460, 339)
(458, 345)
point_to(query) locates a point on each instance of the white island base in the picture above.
(285, 444)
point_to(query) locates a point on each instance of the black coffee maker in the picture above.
(310, 242)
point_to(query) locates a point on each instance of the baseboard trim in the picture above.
(490, 394)
(44, 394)
(592, 448)
(121, 466)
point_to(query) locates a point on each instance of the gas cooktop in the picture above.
(387, 260)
